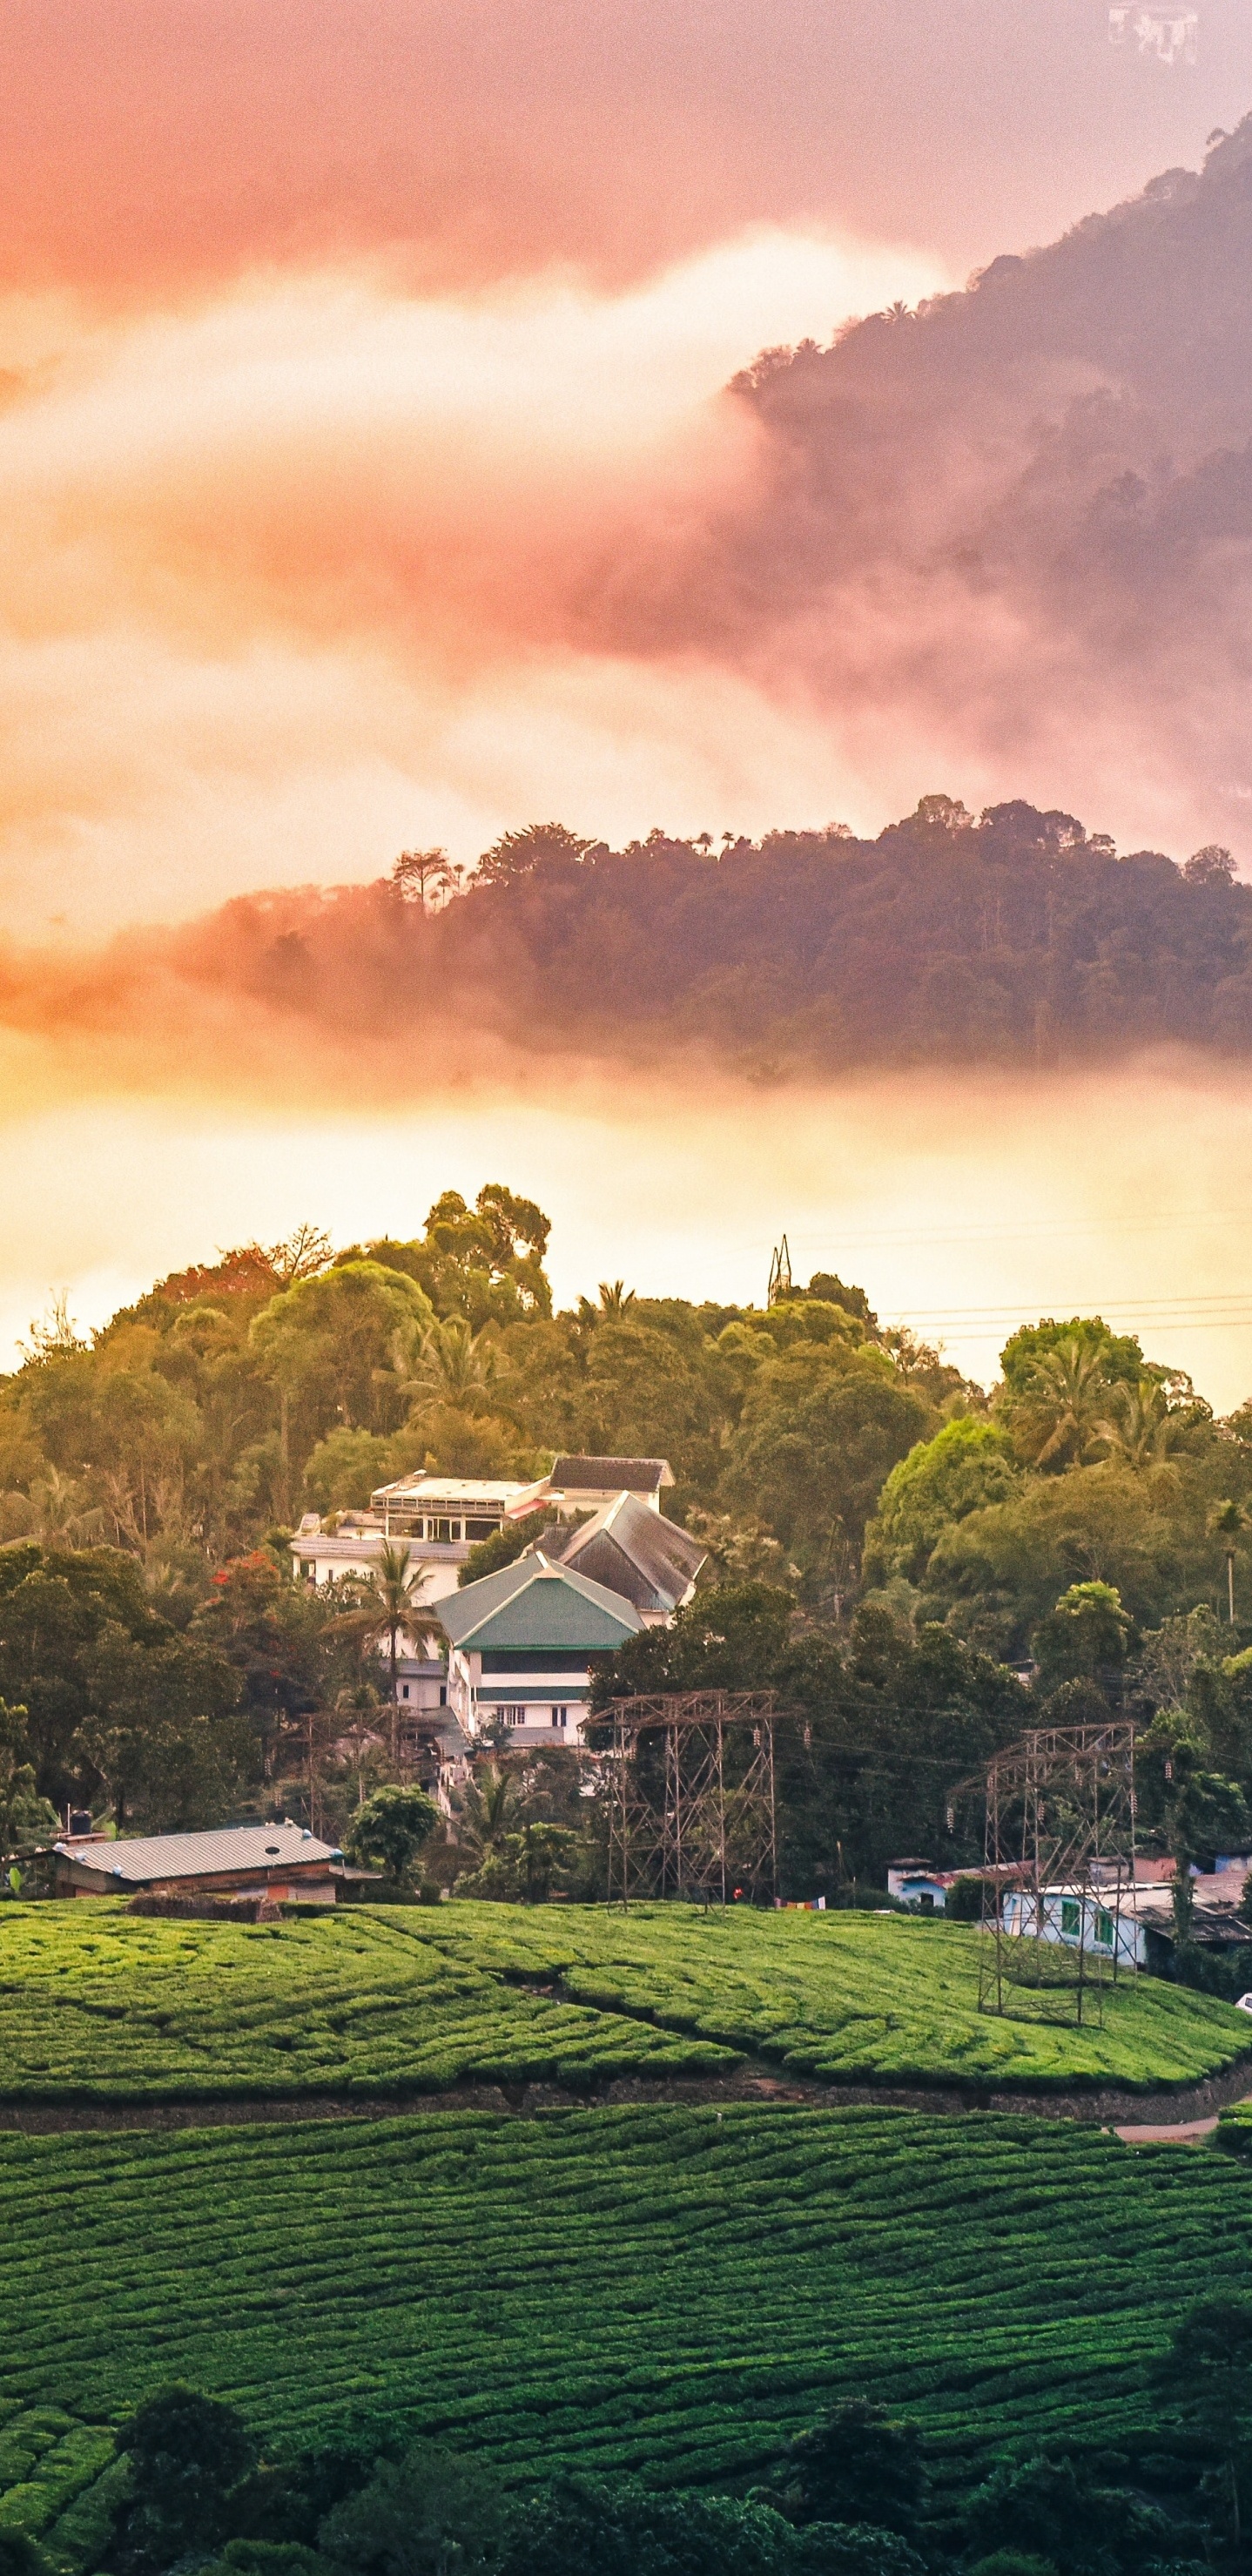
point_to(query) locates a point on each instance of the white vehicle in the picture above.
(1244, 2004)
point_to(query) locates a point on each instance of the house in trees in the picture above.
(583, 1484)
(437, 1518)
(270, 1863)
(520, 1649)
(630, 1547)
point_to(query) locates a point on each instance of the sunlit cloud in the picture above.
(301, 573)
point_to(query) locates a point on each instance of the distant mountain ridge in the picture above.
(1016, 938)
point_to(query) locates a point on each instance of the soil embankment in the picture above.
(1163, 2114)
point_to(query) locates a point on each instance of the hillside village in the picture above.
(907, 1572)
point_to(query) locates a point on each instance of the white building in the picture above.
(1102, 1922)
(440, 1518)
(1140, 1915)
(520, 1648)
(437, 1518)
(915, 1883)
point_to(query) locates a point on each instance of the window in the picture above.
(481, 1529)
(1070, 1918)
(925, 1902)
(512, 1714)
(404, 1690)
(559, 1716)
(1104, 1930)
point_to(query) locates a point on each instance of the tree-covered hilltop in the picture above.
(885, 1541)
(1014, 937)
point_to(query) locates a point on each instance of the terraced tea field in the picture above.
(845, 1997)
(669, 2290)
(99, 2005)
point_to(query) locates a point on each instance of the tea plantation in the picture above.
(99, 2005)
(847, 1997)
(667, 2289)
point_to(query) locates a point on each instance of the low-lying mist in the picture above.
(964, 1201)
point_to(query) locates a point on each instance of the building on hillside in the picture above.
(582, 1484)
(915, 1883)
(1137, 1919)
(632, 1549)
(520, 1648)
(440, 1518)
(437, 1518)
(1080, 1917)
(268, 1862)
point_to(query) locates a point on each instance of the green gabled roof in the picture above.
(532, 1603)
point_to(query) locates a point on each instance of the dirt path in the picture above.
(1138, 2118)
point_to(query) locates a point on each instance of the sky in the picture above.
(357, 359)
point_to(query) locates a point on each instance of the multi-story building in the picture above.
(520, 1648)
(437, 1518)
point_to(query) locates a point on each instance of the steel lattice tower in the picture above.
(1059, 1832)
(694, 1817)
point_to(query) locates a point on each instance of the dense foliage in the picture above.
(97, 2005)
(666, 2293)
(885, 1540)
(1015, 936)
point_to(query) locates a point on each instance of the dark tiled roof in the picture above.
(612, 1475)
(635, 1551)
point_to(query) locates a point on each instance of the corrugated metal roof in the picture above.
(146, 1856)
(532, 1603)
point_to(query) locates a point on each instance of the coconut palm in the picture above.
(1059, 1421)
(1228, 1520)
(616, 1299)
(486, 1813)
(391, 1588)
(63, 1517)
(454, 1366)
(1141, 1427)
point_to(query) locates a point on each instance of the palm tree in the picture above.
(454, 1366)
(63, 1518)
(394, 1581)
(486, 1813)
(1142, 1428)
(1228, 1520)
(1059, 1422)
(615, 1299)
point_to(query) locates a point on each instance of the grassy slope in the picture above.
(99, 2005)
(672, 2290)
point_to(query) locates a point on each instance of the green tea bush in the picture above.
(100, 2005)
(670, 2293)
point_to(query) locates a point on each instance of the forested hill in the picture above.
(1015, 937)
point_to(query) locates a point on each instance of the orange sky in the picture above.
(352, 354)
